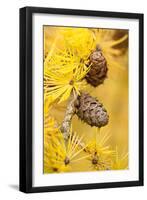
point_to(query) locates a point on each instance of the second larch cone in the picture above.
(98, 70)
(91, 111)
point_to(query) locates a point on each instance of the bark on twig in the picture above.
(70, 111)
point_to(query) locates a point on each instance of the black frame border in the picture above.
(25, 99)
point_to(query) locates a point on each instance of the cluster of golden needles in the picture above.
(78, 63)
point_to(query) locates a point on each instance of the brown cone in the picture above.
(98, 70)
(91, 111)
